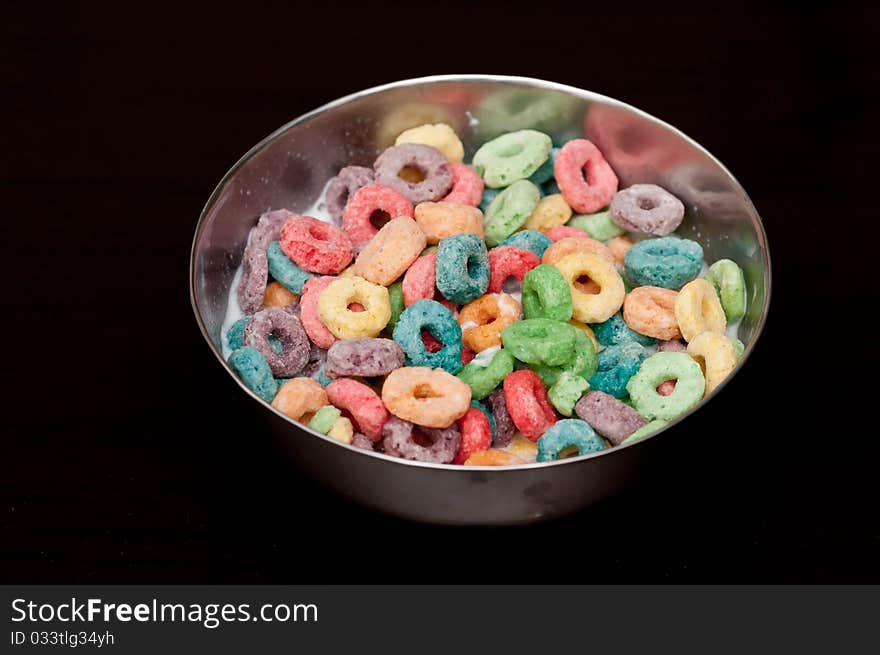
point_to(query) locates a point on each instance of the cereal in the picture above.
(364, 203)
(439, 136)
(651, 311)
(438, 320)
(668, 262)
(586, 180)
(647, 209)
(316, 246)
(483, 319)
(484, 375)
(300, 399)
(249, 364)
(255, 269)
(476, 434)
(716, 356)
(645, 430)
(546, 294)
(363, 358)
(544, 172)
(566, 391)
(672, 346)
(467, 187)
(616, 365)
(395, 297)
(738, 346)
(689, 385)
(285, 271)
(398, 439)
(478, 405)
(360, 440)
(390, 252)
(324, 419)
(615, 330)
(334, 312)
(419, 281)
(698, 309)
(568, 245)
(286, 327)
(486, 199)
(511, 157)
(618, 247)
(564, 232)
(508, 261)
(729, 283)
(493, 457)
(540, 341)
(431, 398)
(586, 329)
(608, 416)
(568, 434)
(308, 312)
(504, 427)
(362, 403)
(277, 295)
(598, 226)
(509, 210)
(462, 270)
(523, 448)
(582, 361)
(596, 307)
(551, 211)
(429, 161)
(439, 220)
(342, 187)
(528, 405)
(343, 431)
(529, 240)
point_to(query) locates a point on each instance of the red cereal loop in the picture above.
(586, 180)
(476, 434)
(467, 186)
(308, 312)
(365, 407)
(527, 403)
(505, 261)
(419, 280)
(366, 200)
(467, 355)
(563, 232)
(316, 246)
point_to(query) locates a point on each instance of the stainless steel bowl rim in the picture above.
(527, 81)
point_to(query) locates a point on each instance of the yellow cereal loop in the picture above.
(586, 329)
(334, 312)
(523, 448)
(592, 307)
(716, 356)
(697, 309)
(551, 211)
(439, 136)
(342, 430)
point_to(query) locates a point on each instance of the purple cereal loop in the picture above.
(284, 325)
(344, 186)
(254, 276)
(672, 346)
(430, 161)
(268, 228)
(504, 427)
(363, 358)
(317, 356)
(397, 439)
(647, 209)
(360, 440)
(610, 417)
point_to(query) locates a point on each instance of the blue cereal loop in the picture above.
(291, 276)
(617, 364)
(565, 434)
(667, 262)
(251, 367)
(438, 320)
(532, 240)
(615, 331)
(462, 269)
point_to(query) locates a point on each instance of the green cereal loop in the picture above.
(729, 283)
(428, 250)
(483, 380)
(583, 362)
(324, 419)
(689, 386)
(598, 226)
(395, 295)
(738, 347)
(645, 430)
(540, 341)
(510, 209)
(566, 391)
(511, 157)
(546, 294)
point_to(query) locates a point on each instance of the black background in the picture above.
(128, 457)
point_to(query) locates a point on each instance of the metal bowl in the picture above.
(290, 167)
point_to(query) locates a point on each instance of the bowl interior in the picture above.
(290, 168)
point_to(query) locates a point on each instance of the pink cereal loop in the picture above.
(467, 186)
(419, 280)
(362, 403)
(586, 180)
(308, 312)
(366, 200)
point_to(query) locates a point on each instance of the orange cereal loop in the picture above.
(277, 295)
(390, 252)
(432, 398)
(439, 220)
(522, 447)
(483, 319)
(618, 247)
(569, 245)
(299, 398)
(651, 311)
(493, 457)
(586, 329)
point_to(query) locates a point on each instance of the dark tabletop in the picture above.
(128, 457)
